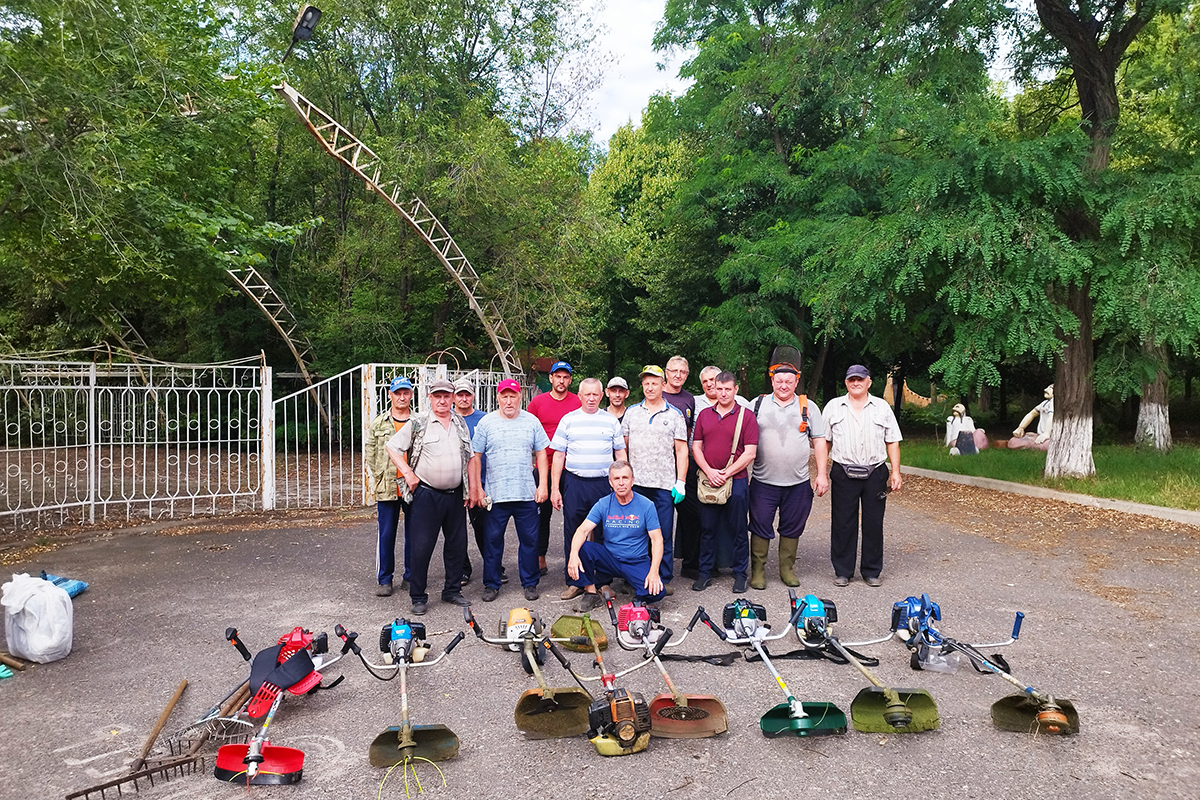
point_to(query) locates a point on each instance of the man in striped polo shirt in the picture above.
(585, 443)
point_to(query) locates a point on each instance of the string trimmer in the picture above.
(544, 712)
(877, 708)
(744, 623)
(672, 715)
(292, 664)
(618, 720)
(403, 646)
(1028, 711)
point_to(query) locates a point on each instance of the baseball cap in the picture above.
(652, 369)
(463, 385)
(857, 371)
(618, 382)
(508, 385)
(400, 383)
(561, 365)
(441, 385)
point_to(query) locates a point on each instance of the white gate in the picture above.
(320, 431)
(106, 441)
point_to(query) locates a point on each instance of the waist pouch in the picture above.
(859, 472)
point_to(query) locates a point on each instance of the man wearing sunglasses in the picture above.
(863, 436)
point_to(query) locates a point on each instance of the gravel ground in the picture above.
(1109, 598)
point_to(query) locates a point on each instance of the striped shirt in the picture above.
(860, 438)
(588, 440)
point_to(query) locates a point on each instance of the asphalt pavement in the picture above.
(1111, 623)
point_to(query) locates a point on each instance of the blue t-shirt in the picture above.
(472, 420)
(509, 446)
(626, 528)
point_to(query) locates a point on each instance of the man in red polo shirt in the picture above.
(549, 408)
(712, 445)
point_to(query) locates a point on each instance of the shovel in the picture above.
(546, 713)
(673, 715)
(401, 743)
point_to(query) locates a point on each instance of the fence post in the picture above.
(93, 462)
(266, 456)
(369, 400)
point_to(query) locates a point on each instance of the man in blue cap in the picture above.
(385, 479)
(549, 408)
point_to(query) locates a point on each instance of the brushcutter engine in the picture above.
(815, 618)
(744, 618)
(914, 618)
(520, 620)
(403, 641)
(638, 620)
(620, 714)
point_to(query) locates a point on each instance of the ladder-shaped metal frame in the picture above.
(362, 161)
(270, 303)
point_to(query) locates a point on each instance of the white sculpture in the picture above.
(1044, 412)
(958, 424)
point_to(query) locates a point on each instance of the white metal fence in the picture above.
(95, 442)
(106, 442)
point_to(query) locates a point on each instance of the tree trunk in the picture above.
(1154, 418)
(1070, 454)
(818, 370)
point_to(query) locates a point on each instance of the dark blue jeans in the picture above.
(665, 506)
(578, 497)
(726, 522)
(385, 546)
(794, 504)
(524, 514)
(600, 567)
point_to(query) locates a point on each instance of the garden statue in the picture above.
(962, 437)
(1044, 411)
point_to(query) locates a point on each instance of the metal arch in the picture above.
(258, 289)
(362, 161)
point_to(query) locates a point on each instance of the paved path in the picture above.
(1111, 623)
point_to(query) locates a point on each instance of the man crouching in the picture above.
(633, 543)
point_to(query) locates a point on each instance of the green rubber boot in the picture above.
(787, 559)
(759, 549)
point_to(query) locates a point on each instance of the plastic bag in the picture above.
(38, 619)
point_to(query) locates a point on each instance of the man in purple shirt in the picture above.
(722, 459)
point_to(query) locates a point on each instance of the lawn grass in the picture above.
(1122, 472)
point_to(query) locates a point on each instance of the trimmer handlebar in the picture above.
(553, 648)
(231, 635)
(662, 642)
(612, 612)
(348, 638)
(695, 618)
(1017, 624)
(707, 620)
(454, 643)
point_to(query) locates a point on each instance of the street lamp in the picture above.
(302, 28)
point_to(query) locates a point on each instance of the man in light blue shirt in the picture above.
(584, 444)
(507, 439)
(632, 548)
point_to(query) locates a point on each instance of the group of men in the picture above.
(697, 478)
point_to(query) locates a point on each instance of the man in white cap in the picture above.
(508, 439)
(863, 436)
(385, 482)
(617, 393)
(433, 453)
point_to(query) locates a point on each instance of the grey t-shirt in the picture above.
(783, 451)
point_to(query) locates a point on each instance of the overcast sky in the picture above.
(629, 84)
